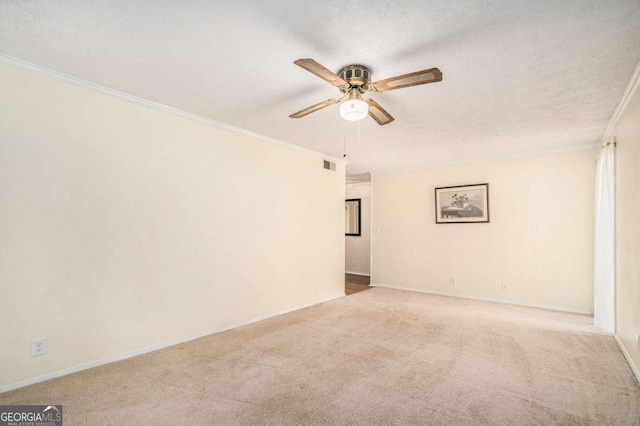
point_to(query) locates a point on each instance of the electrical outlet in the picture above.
(452, 281)
(638, 342)
(39, 346)
(505, 286)
(353, 263)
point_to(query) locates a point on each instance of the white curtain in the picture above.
(604, 274)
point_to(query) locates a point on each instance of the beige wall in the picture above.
(358, 249)
(539, 241)
(123, 227)
(627, 133)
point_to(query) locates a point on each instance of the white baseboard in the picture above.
(152, 348)
(357, 273)
(488, 299)
(624, 351)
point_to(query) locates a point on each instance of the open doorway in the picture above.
(355, 283)
(358, 238)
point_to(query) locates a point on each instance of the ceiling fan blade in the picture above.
(314, 108)
(315, 68)
(378, 113)
(432, 75)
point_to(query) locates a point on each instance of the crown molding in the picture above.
(27, 66)
(358, 184)
(629, 92)
(503, 157)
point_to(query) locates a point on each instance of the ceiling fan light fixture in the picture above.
(353, 81)
(354, 108)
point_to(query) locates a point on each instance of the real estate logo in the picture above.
(30, 415)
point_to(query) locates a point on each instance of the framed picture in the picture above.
(352, 217)
(463, 204)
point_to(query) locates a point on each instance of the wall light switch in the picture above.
(376, 229)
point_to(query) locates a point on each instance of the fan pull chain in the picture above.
(344, 152)
(344, 136)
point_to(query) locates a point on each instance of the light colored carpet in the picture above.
(381, 356)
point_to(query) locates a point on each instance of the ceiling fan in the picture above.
(353, 81)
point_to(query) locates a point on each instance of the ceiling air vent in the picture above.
(329, 165)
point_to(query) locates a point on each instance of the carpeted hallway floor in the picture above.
(379, 357)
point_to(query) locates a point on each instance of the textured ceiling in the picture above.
(519, 76)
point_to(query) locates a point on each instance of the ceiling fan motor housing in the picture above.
(355, 75)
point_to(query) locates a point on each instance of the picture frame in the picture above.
(353, 217)
(462, 204)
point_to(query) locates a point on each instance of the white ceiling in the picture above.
(519, 76)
